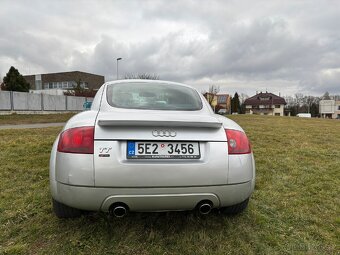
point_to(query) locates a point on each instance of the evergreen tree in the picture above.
(14, 81)
(235, 104)
(314, 110)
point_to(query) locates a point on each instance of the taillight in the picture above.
(238, 142)
(77, 140)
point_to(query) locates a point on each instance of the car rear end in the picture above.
(151, 146)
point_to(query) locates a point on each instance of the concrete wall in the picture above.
(5, 100)
(75, 103)
(54, 103)
(26, 101)
(22, 101)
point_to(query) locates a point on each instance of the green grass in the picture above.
(294, 209)
(14, 119)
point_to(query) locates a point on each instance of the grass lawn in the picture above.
(294, 209)
(14, 119)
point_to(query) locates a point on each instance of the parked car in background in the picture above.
(304, 115)
(222, 111)
(87, 105)
(150, 146)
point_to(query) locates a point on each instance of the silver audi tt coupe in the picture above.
(150, 145)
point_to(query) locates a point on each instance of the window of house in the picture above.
(65, 84)
(46, 85)
(84, 85)
(55, 85)
(277, 106)
(277, 114)
(221, 99)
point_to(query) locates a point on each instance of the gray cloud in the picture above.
(240, 45)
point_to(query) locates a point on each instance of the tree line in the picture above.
(299, 103)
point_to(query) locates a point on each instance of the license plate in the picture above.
(163, 150)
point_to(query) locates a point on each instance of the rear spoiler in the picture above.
(152, 123)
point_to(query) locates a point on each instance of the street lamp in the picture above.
(117, 66)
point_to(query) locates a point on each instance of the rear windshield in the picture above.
(153, 96)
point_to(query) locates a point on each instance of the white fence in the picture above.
(22, 101)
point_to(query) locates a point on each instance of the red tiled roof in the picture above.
(265, 99)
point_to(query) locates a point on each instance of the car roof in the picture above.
(160, 82)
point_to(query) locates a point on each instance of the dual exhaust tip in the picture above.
(120, 210)
(204, 207)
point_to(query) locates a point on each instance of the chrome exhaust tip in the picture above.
(205, 208)
(118, 211)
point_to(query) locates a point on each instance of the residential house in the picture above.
(265, 104)
(219, 102)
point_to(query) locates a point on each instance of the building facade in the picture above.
(265, 104)
(219, 102)
(64, 80)
(329, 109)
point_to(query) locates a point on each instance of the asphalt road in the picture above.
(37, 125)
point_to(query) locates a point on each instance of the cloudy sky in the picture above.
(286, 47)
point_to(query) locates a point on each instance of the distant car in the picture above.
(304, 115)
(87, 105)
(222, 111)
(150, 146)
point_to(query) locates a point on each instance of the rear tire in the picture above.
(64, 211)
(235, 209)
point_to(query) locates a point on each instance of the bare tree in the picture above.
(299, 101)
(144, 76)
(242, 97)
(309, 101)
(211, 93)
(299, 98)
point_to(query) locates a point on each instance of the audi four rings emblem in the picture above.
(164, 133)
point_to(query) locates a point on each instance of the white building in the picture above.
(329, 109)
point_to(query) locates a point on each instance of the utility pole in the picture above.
(117, 66)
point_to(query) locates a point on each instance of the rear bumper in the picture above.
(150, 199)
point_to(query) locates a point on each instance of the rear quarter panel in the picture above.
(71, 168)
